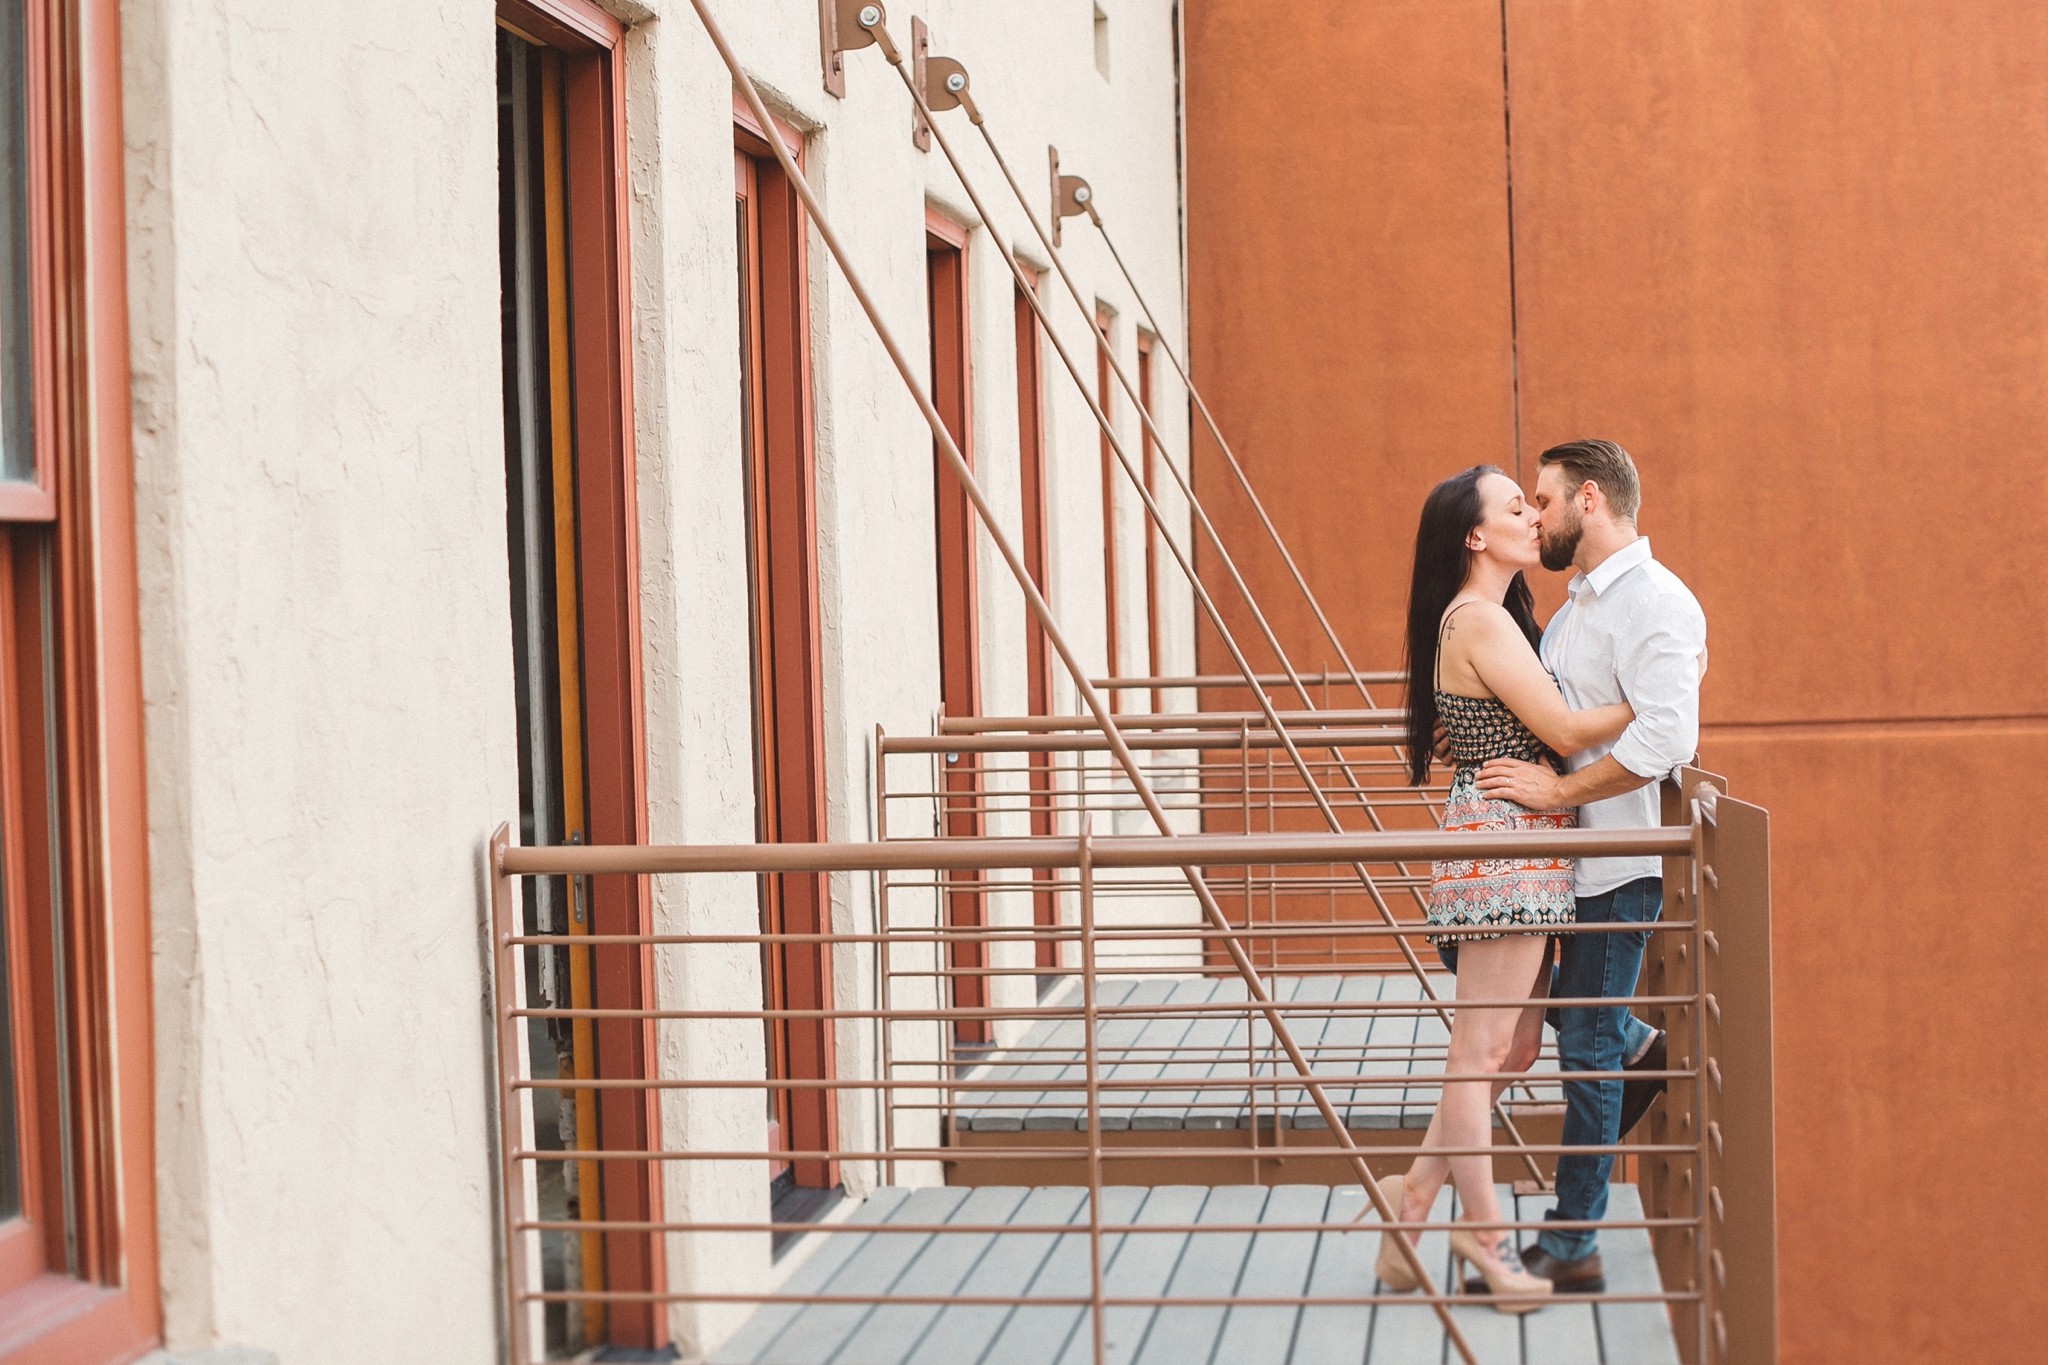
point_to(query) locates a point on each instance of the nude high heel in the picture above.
(1503, 1275)
(1392, 1267)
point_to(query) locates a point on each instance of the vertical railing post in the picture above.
(885, 957)
(1669, 1181)
(1091, 1072)
(515, 1116)
(1739, 1283)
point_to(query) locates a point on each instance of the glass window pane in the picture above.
(17, 439)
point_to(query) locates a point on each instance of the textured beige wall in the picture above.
(321, 524)
(313, 248)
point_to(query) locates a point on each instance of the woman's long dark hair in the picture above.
(1449, 513)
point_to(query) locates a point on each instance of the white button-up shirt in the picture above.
(1630, 631)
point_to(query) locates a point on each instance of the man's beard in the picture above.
(1557, 552)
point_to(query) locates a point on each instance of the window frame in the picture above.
(83, 493)
(781, 493)
(954, 525)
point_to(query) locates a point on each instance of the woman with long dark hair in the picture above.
(1472, 667)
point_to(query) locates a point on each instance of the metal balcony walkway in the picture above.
(1340, 1021)
(857, 1258)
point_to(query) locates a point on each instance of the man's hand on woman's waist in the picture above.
(1537, 787)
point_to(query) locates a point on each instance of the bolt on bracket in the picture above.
(1070, 196)
(843, 27)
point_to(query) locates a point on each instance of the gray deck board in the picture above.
(760, 1332)
(1418, 1102)
(1215, 1047)
(1207, 1036)
(938, 1268)
(1411, 1331)
(1210, 1266)
(1564, 1333)
(1269, 1060)
(1277, 1265)
(1141, 1267)
(1160, 1038)
(1495, 1338)
(1632, 1333)
(1012, 1265)
(1311, 1032)
(1341, 1053)
(1379, 1106)
(1335, 1262)
(822, 1328)
(1036, 1334)
(1066, 1110)
(1340, 1265)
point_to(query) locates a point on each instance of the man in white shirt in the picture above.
(1630, 631)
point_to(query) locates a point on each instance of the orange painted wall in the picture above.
(1794, 255)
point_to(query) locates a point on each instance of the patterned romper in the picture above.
(1498, 893)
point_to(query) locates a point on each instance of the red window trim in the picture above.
(755, 140)
(786, 529)
(937, 224)
(1037, 651)
(571, 25)
(1151, 470)
(85, 485)
(1112, 627)
(952, 391)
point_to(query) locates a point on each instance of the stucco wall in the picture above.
(314, 266)
(313, 248)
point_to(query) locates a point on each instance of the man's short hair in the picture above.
(1603, 463)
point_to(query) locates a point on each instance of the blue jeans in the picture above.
(1596, 1038)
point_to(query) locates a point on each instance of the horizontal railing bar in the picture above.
(1055, 1229)
(1176, 720)
(1068, 1301)
(1193, 850)
(951, 1155)
(1190, 1009)
(1341, 929)
(1363, 737)
(1056, 1086)
(1236, 680)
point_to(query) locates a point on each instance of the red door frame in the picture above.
(1037, 653)
(789, 674)
(600, 312)
(959, 631)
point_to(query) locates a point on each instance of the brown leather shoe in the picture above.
(1583, 1276)
(1638, 1096)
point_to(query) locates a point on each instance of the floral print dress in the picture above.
(1495, 895)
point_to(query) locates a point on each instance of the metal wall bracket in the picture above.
(920, 53)
(841, 30)
(1070, 196)
(945, 85)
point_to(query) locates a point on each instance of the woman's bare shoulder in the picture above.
(1481, 619)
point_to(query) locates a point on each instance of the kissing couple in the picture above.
(1566, 726)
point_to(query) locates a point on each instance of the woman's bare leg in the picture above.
(1497, 1040)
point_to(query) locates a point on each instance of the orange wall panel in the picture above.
(1907, 944)
(1348, 268)
(1792, 256)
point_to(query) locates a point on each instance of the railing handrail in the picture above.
(1056, 851)
(1178, 720)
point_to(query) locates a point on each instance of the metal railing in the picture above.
(1132, 1050)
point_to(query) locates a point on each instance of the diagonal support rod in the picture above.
(1201, 594)
(957, 463)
